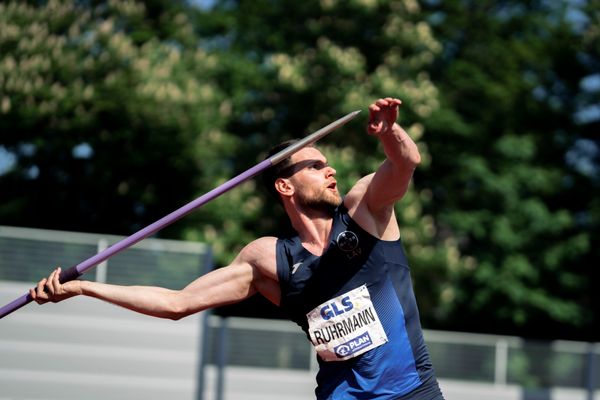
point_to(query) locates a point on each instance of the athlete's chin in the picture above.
(333, 199)
(326, 203)
(338, 201)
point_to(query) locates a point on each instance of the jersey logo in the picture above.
(347, 242)
(295, 267)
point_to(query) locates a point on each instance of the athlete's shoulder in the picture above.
(364, 207)
(260, 253)
(357, 193)
(263, 247)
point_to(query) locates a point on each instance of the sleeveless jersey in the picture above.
(356, 305)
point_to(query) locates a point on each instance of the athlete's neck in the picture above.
(313, 228)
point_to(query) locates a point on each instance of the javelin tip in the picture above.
(288, 151)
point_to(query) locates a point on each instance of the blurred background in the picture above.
(115, 113)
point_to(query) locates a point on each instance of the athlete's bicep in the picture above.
(261, 254)
(379, 190)
(388, 185)
(373, 211)
(252, 271)
(222, 286)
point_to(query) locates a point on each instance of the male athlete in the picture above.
(344, 278)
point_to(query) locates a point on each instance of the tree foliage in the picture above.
(114, 113)
(108, 124)
(509, 190)
(319, 60)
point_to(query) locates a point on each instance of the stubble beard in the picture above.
(324, 200)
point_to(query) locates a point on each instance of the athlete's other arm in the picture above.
(371, 200)
(252, 271)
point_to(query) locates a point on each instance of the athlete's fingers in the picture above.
(393, 101)
(373, 108)
(57, 284)
(38, 294)
(40, 286)
(50, 285)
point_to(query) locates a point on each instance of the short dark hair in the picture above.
(280, 170)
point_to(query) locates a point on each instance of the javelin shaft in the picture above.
(79, 269)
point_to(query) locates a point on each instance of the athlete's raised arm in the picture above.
(372, 198)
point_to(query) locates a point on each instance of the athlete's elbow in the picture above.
(175, 316)
(176, 308)
(414, 158)
(409, 160)
(408, 164)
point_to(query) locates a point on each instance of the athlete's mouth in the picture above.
(332, 185)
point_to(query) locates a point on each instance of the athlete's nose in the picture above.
(330, 171)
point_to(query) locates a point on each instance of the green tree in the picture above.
(110, 124)
(114, 113)
(314, 61)
(587, 150)
(501, 178)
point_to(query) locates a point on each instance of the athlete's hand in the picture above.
(382, 115)
(51, 290)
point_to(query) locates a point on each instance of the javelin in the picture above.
(76, 271)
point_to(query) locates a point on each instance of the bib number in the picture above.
(346, 326)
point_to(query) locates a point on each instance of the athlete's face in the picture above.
(313, 180)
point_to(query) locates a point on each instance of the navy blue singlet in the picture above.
(356, 305)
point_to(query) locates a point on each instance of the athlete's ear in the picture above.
(284, 187)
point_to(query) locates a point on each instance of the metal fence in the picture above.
(497, 360)
(228, 350)
(27, 255)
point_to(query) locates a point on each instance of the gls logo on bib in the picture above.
(346, 326)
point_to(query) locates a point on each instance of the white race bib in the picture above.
(346, 326)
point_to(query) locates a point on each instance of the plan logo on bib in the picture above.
(353, 346)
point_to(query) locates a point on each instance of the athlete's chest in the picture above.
(353, 258)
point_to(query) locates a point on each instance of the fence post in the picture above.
(501, 364)
(221, 357)
(207, 266)
(591, 371)
(101, 268)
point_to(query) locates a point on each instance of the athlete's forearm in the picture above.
(400, 149)
(154, 301)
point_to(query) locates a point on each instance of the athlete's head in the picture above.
(283, 169)
(306, 176)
